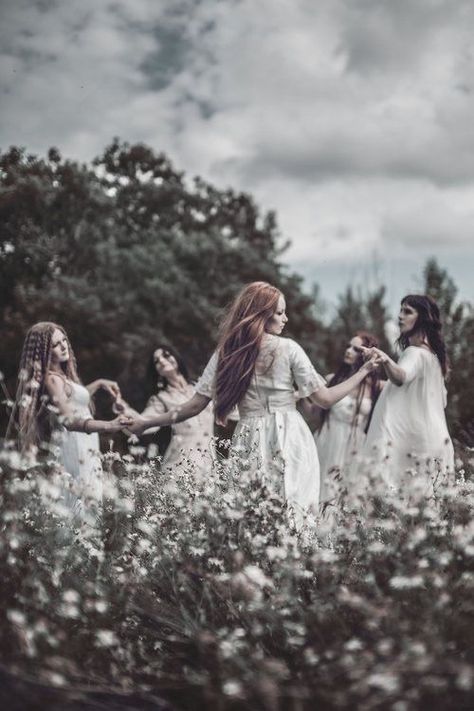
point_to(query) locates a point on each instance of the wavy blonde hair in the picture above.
(241, 334)
(31, 412)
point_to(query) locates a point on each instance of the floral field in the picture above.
(201, 595)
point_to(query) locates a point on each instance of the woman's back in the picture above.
(281, 364)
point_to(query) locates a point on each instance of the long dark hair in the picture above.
(153, 379)
(427, 324)
(345, 370)
(241, 333)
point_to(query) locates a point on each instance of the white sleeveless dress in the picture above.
(79, 455)
(408, 430)
(271, 437)
(340, 439)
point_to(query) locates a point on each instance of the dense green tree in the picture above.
(127, 252)
(458, 323)
(356, 311)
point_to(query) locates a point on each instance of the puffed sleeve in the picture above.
(305, 376)
(411, 361)
(205, 384)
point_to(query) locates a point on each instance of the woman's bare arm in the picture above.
(56, 386)
(394, 372)
(190, 408)
(326, 397)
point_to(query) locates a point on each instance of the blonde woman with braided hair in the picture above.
(52, 405)
(258, 371)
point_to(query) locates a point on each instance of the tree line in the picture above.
(126, 252)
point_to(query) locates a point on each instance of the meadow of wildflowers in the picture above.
(199, 594)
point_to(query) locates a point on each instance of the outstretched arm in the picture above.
(190, 408)
(326, 397)
(394, 372)
(58, 393)
(153, 407)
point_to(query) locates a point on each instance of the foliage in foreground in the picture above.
(200, 593)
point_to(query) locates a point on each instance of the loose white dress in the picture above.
(79, 455)
(191, 440)
(271, 437)
(408, 430)
(341, 439)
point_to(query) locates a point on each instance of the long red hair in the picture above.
(241, 334)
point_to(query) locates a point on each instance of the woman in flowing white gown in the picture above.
(54, 407)
(191, 443)
(257, 370)
(342, 429)
(408, 430)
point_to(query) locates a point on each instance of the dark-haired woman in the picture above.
(191, 441)
(408, 428)
(342, 428)
(257, 370)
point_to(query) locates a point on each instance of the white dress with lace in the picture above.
(271, 437)
(79, 454)
(408, 430)
(191, 440)
(341, 438)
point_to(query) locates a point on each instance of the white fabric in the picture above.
(341, 438)
(271, 437)
(191, 441)
(408, 427)
(79, 454)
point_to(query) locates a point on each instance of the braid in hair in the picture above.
(32, 406)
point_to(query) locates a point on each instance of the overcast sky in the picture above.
(353, 119)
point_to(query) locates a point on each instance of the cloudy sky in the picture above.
(353, 119)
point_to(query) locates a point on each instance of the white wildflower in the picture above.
(384, 680)
(17, 617)
(232, 687)
(106, 638)
(402, 582)
(353, 645)
(257, 576)
(71, 596)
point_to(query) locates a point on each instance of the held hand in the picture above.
(138, 425)
(111, 387)
(371, 364)
(119, 406)
(119, 424)
(373, 352)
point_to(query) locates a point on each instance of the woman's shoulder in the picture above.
(58, 383)
(56, 379)
(417, 352)
(287, 344)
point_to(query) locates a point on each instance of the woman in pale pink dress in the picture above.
(191, 443)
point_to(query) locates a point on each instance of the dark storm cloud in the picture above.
(344, 115)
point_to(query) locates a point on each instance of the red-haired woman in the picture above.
(342, 428)
(257, 370)
(408, 428)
